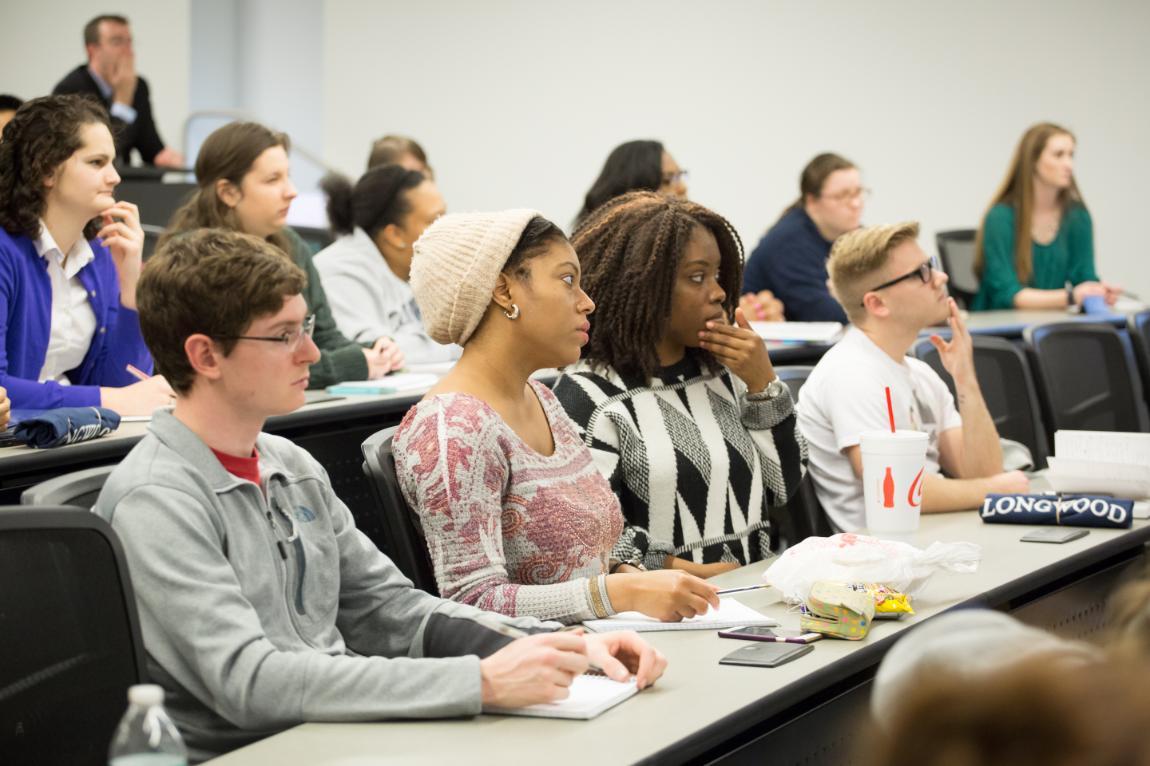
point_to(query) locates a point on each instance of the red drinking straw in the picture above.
(890, 409)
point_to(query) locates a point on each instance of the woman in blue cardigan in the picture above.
(70, 256)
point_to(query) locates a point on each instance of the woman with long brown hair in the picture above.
(245, 185)
(1035, 249)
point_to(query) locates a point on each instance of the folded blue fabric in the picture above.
(66, 425)
(1061, 510)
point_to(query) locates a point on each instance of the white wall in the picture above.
(44, 40)
(518, 102)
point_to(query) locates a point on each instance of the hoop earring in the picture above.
(514, 313)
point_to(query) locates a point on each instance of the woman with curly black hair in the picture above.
(70, 257)
(675, 394)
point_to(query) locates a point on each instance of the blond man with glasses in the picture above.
(891, 291)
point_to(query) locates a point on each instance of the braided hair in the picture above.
(629, 251)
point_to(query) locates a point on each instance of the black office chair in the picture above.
(70, 636)
(794, 376)
(802, 517)
(404, 542)
(1085, 381)
(158, 201)
(79, 488)
(956, 252)
(152, 234)
(1138, 325)
(316, 239)
(1007, 386)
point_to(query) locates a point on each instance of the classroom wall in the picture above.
(44, 40)
(519, 102)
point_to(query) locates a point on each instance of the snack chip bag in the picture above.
(889, 604)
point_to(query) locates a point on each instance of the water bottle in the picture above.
(146, 736)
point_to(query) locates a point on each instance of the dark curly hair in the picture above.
(634, 243)
(41, 136)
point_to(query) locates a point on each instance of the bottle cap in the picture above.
(146, 695)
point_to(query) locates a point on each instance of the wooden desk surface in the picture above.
(698, 702)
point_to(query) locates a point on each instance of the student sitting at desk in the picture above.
(365, 271)
(245, 185)
(635, 166)
(70, 257)
(891, 292)
(516, 516)
(790, 262)
(680, 406)
(261, 605)
(1037, 237)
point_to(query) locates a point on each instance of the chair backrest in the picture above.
(802, 517)
(794, 376)
(1085, 379)
(70, 636)
(1138, 326)
(404, 542)
(956, 251)
(157, 201)
(79, 488)
(1007, 387)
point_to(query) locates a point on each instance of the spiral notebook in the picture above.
(591, 694)
(730, 614)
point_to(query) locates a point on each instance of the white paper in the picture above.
(809, 332)
(730, 614)
(1104, 446)
(1097, 476)
(589, 696)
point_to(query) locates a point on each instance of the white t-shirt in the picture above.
(845, 396)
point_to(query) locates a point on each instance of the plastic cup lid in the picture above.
(146, 694)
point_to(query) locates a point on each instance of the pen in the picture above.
(510, 631)
(740, 589)
(137, 373)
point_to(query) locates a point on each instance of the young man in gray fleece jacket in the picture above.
(261, 604)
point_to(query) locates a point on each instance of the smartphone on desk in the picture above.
(766, 655)
(770, 635)
(1053, 535)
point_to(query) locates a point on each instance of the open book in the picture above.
(1113, 463)
(591, 694)
(730, 614)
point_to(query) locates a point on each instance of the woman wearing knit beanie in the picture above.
(517, 517)
(676, 394)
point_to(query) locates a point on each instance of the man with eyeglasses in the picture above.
(110, 75)
(891, 291)
(261, 605)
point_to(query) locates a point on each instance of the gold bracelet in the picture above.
(596, 600)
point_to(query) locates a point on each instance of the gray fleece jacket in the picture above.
(258, 614)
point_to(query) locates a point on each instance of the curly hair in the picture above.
(634, 243)
(41, 136)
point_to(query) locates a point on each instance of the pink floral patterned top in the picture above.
(509, 530)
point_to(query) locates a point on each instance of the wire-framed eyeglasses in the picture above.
(289, 338)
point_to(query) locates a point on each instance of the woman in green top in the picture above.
(1037, 237)
(245, 185)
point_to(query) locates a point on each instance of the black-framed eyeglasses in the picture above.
(289, 338)
(925, 272)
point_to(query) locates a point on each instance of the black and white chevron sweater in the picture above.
(694, 459)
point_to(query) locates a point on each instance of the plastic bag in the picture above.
(849, 557)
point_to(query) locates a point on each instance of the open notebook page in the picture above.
(591, 694)
(730, 614)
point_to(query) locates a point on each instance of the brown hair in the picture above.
(857, 255)
(1017, 191)
(639, 239)
(40, 137)
(92, 28)
(815, 175)
(1034, 713)
(389, 149)
(228, 154)
(213, 282)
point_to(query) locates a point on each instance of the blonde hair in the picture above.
(1017, 191)
(857, 255)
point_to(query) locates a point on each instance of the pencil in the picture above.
(137, 373)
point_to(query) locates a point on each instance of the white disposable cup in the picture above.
(894, 465)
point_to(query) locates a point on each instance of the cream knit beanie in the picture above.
(456, 264)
